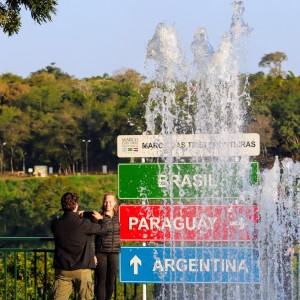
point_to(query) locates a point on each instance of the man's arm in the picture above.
(95, 228)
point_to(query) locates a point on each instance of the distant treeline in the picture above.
(51, 118)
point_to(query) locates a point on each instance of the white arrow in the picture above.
(135, 261)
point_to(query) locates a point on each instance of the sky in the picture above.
(90, 38)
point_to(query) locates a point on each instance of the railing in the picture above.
(27, 273)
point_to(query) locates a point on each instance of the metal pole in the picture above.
(144, 245)
(144, 285)
(2, 156)
(1, 159)
(86, 157)
(24, 166)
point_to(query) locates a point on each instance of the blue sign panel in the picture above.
(189, 265)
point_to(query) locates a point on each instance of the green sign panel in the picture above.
(182, 180)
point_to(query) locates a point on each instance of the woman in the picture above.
(108, 248)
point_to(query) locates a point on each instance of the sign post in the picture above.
(187, 223)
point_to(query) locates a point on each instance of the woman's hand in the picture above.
(96, 215)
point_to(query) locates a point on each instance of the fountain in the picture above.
(209, 98)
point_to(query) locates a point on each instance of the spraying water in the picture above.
(209, 96)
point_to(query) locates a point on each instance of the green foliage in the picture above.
(62, 110)
(10, 19)
(45, 117)
(274, 114)
(286, 113)
(57, 72)
(17, 132)
(21, 269)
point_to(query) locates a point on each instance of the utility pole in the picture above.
(86, 155)
(2, 155)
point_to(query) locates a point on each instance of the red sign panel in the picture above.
(159, 223)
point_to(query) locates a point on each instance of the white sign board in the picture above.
(41, 171)
(189, 145)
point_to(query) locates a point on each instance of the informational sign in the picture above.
(188, 265)
(40, 171)
(188, 222)
(189, 145)
(184, 180)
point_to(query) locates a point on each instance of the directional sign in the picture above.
(189, 145)
(188, 222)
(189, 265)
(136, 262)
(184, 180)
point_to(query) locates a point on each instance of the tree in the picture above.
(263, 125)
(274, 62)
(286, 113)
(12, 87)
(52, 69)
(14, 127)
(131, 78)
(10, 19)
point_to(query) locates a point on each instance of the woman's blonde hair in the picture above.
(116, 207)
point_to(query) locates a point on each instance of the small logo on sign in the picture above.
(130, 144)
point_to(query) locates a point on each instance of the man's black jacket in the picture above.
(73, 241)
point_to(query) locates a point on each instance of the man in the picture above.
(73, 255)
